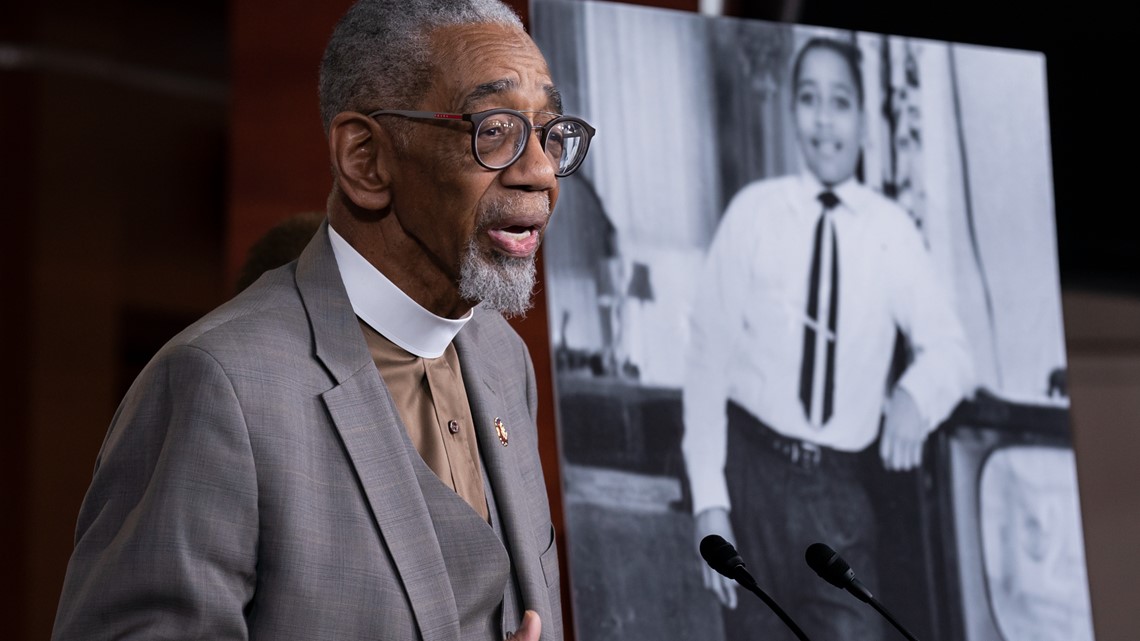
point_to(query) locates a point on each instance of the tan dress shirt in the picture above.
(432, 401)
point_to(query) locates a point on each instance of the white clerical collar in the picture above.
(387, 309)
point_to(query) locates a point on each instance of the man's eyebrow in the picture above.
(554, 98)
(492, 88)
(501, 86)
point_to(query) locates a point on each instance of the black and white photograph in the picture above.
(806, 298)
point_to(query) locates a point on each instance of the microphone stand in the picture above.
(887, 615)
(833, 569)
(745, 579)
(860, 591)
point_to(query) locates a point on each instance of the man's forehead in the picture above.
(480, 62)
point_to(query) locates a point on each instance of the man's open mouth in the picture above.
(515, 240)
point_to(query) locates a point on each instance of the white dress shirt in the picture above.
(748, 323)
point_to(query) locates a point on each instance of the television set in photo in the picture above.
(1011, 547)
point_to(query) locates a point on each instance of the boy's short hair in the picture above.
(846, 50)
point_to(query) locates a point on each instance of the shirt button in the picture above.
(453, 426)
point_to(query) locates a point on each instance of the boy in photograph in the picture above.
(807, 283)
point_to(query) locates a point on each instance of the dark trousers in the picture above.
(785, 496)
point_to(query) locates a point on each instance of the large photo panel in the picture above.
(805, 290)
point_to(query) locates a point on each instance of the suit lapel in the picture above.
(373, 434)
(483, 378)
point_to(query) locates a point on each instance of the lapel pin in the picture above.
(501, 430)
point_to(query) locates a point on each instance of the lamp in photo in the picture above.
(639, 292)
(611, 296)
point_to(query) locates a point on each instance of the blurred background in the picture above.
(146, 146)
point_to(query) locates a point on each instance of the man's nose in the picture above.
(533, 170)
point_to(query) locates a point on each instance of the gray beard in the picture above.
(503, 283)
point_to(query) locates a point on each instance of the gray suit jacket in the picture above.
(256, 482)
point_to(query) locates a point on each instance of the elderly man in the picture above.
(347, 450)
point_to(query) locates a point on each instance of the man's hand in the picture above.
(904, 433)
(530, 629)
(714, 520)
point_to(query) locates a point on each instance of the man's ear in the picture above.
(361, 152)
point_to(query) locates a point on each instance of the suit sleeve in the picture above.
(167, 536)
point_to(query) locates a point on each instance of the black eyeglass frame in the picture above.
(477, 119)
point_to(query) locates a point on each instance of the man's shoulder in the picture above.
(268, 313)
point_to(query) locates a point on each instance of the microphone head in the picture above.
(721, 555)
(829, 565)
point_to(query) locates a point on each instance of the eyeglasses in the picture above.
(500, 136)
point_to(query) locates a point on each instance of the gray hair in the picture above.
(379, 55)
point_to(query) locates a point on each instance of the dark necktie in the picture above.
(819, 340)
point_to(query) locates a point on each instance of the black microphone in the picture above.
(832, 568)
(722, 557)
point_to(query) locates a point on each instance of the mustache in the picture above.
(513, 208)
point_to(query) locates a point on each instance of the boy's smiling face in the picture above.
(828, 116)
